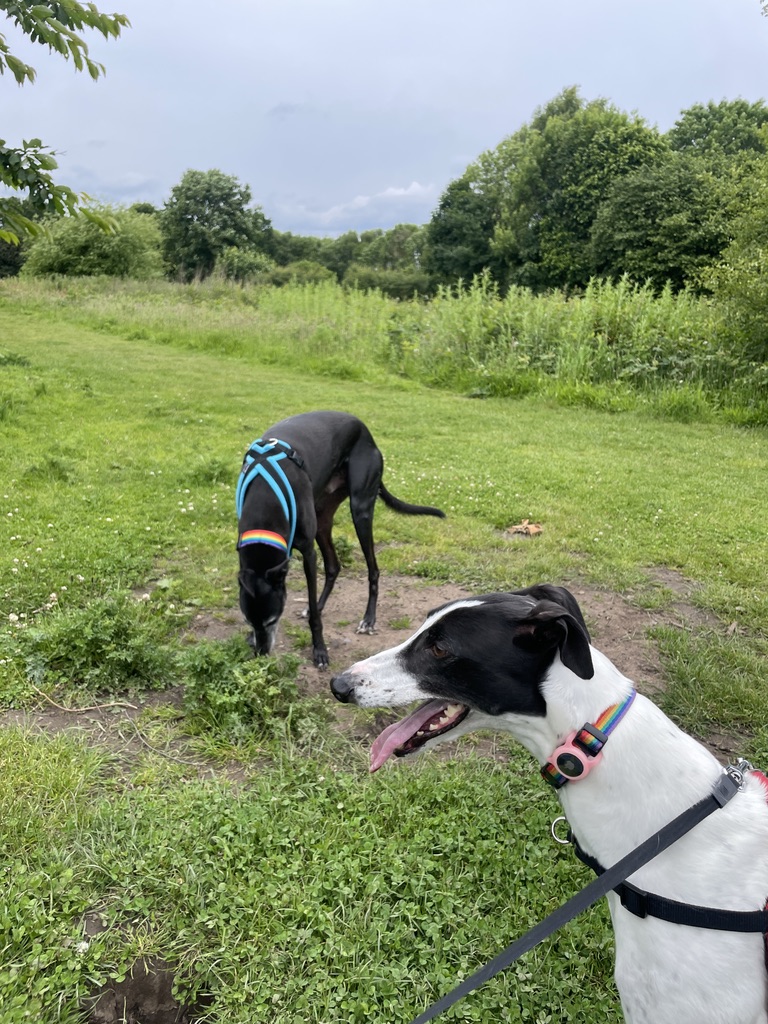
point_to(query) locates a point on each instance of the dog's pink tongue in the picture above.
(395, 735)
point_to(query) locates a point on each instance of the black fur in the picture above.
(494, 656)
(341, 461)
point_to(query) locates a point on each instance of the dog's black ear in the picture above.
(246, 579)
(561, 596)
(276, 575)
(549, 625)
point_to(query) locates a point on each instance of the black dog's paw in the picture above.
(366, 627)
(320, 657)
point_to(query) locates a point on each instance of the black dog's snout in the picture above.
(343, 688)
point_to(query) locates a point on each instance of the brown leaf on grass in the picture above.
(526, 528)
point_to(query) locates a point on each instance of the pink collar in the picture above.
(582, 749)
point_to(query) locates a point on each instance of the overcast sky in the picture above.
(354, 114)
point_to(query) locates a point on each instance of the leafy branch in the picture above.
(55, 24)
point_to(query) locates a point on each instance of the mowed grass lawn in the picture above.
(311, 892)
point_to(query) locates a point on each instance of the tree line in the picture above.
(209, 226)
(582, 190)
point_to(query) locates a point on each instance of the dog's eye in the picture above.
(437, 651)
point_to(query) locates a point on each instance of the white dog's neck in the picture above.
(607, 810)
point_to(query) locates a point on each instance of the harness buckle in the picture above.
(633, 899)
(738, 771)
(730, 782)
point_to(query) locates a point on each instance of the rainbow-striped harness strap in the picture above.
(263, 460)
(263, 537)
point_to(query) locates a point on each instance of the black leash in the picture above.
(725, 788)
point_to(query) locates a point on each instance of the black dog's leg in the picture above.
(319, 650)
(331, 566)
(364, 474)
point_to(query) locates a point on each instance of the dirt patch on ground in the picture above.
(619, 627)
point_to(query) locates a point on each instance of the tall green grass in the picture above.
(616, 346)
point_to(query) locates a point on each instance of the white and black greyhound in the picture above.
(290, 486)
(522, 662)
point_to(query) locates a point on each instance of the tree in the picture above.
(664, 222)
(549, 180)
(207, 213)
(458, 237)
(721, 129)
(285, 248)
(27, 169)
(740, 280)
(12, 254)
(79, 247)
(399, 248)
(339, 253)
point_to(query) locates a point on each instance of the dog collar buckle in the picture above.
(582, 750)
(571, 761)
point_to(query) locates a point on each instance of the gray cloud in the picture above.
(351, 114)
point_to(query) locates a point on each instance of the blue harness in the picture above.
(263, 459)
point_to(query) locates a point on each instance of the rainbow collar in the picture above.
(263, 537)
(582, 749)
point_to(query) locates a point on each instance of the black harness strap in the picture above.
(648, 904)
(726, 787)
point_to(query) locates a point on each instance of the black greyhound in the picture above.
(291, 484)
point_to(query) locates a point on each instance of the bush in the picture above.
(243, 265)
(301, 272)
(78, 247)
(398, 283)
(238, 697)
(111, 645)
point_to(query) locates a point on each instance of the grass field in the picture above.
(309, 892)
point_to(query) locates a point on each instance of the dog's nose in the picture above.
(343, 688)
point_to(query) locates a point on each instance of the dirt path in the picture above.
(618, 626)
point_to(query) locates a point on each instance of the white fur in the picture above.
(651, 771)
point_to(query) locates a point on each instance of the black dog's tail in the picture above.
(409, 510)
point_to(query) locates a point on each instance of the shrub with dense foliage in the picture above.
(79, 247)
